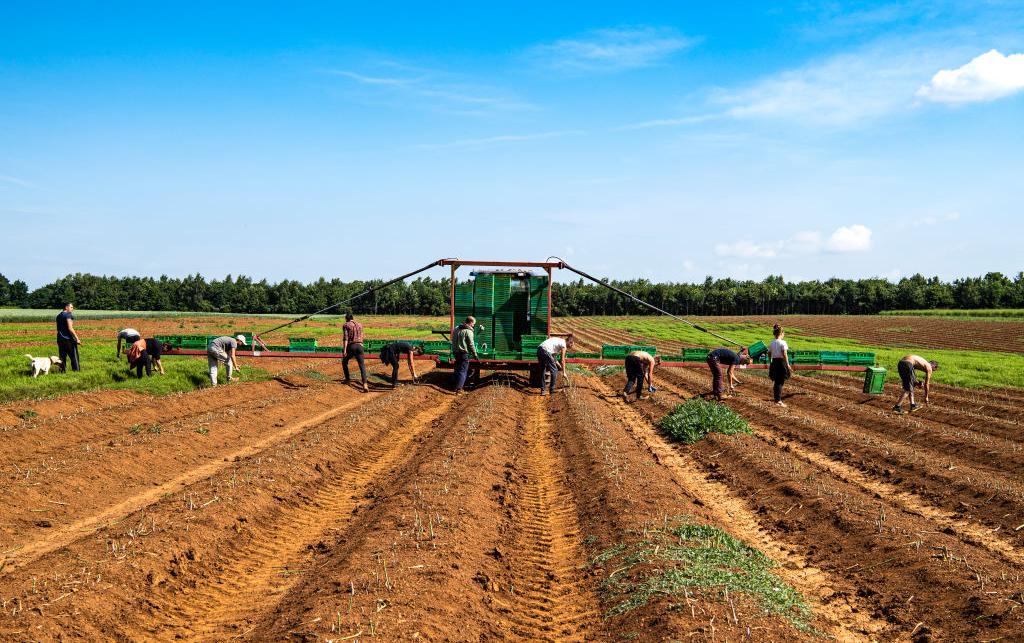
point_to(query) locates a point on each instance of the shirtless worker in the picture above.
(906, 367)
(639, 365)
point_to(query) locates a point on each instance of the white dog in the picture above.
(42, 364)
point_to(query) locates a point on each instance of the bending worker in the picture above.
(908, 378)
(546, 357)
(639, 364)
(724, 357)
(129, 335)
(352, 346)
(222, 351)
(391, 353)
(463, 345)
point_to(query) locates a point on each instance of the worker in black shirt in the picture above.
(391, 353)
(724, 357)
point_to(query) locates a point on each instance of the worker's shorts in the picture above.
(907, 376)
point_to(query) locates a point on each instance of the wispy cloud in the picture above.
(986, 77)
(435, 90)
(668, 122)
(13, 180)
(503, 138)
(610, 50)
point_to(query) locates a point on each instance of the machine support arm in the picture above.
(641, 301)
(354, 297)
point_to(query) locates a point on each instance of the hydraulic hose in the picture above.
(642, 302)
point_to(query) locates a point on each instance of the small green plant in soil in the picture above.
(683, 558)
(695, 419)
(609, 369)
(579, 369)
(27, 414)
(135, 429)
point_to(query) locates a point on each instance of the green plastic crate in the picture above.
(833, 357)
(805, 356)
(583, 355)
(860, 359)
(695, 354)
(508, 355)
(612, 351)
(874, 380)
(757, 349)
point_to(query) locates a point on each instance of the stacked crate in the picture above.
(504, 314)
(483, 310)
(614, 351)
(463, 301)
(539, 305)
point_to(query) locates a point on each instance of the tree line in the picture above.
(426, 296)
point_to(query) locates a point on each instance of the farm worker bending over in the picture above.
(129, 335)
(138, 357)
(639, 364)
(724, 357)
(352, 346)
(222, 350)
(67, 338)
(546, 356)
(463, 345)
(906, 368)
(779, 369)
(390, 354)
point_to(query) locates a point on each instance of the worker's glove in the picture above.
(651, 389)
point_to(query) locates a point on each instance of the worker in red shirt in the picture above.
(352, 347)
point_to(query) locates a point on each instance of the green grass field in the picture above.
(972, 369)
(33, 334)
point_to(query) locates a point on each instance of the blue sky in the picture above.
(632, 139)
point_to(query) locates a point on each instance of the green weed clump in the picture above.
(695, 419)
(683, 558)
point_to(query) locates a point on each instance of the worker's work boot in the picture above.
(914, 407)
(366, 389)
(897, 409)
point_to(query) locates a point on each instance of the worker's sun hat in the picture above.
(241, 339)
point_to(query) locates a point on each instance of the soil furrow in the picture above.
(916, 476)
(884, 550)
(835, 599)
(260, 570)
(549, 599)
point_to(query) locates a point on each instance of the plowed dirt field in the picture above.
(303, 509)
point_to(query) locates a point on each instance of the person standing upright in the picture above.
(67, 338)
(779, 370)
(463, 345)
(352, 347)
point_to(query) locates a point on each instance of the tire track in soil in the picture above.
(112, 514)
(833, 600)
(255, 578)
(549, 598)
(970, 533)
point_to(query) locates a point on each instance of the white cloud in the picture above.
(987, 77)
(373, 80)
(610, 50)
(747, 248)
(935, 220)
(855, 238)
(13, 180)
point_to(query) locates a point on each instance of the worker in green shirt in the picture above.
(463, 345)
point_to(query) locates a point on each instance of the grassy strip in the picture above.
(971, 369)
(994, 314)
(101, 370)
(695, 419)
(681, 558)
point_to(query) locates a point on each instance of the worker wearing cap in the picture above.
(222, 350)
(548, 363)
(463, 345)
